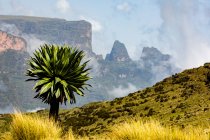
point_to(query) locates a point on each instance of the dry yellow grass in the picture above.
(24, 127)
(153, 130)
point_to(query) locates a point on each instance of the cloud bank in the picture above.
(184, 31)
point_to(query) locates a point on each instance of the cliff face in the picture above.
(58, 31)
(8, 41)
(117, 70)
(18, 36)
(13, 56)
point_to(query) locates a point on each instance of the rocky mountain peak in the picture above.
(119, 53)
(8, 41)
(151, 54)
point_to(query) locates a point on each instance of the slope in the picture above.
(182, 99)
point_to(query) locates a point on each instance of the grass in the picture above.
(178, 101)
(25, 127)
(31, 127)
(153, 130)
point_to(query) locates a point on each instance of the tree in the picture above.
(60, 72)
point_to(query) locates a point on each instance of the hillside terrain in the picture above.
(182, 100)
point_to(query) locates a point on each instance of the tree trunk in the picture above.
(54, 108)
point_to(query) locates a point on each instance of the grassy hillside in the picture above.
(182, 99)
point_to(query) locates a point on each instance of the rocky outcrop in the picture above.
(157, 63)
(119, 53)
(8, 41)
(51, 30)
(153, 55)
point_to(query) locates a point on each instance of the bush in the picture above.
(103, 113)
(150, 112)
(159, 88)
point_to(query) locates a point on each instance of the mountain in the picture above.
(182, 99)
(8, 41)
(152, 56)
(119, 53)
(19, 37)
(160, 65)
(12, 67)
(115, 76)
(51, 30)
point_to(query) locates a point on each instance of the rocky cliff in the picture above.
(119, 53)
(20, 35)
(8, 41)
(51, 30)
(13, 56)
(112, 76)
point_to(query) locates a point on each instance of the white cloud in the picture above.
(63, 6)
(184, 31)
(96, 26)
(121, 91)
(32, 42)
(125, 7)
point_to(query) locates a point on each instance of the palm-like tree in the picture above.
(60, 72)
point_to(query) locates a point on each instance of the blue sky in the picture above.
(178, 27)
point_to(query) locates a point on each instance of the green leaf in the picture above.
(77, 90)
(45, 88)
(66, 91)
(57, 80)
(47, 70)
(32, 63)
(41, 82)
(36, 72)
(47, 55)
(64, 83)
(58, 93)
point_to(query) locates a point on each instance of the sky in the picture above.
(180, 28)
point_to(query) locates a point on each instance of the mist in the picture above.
(121, 91)
(184, 33)
(32, 41)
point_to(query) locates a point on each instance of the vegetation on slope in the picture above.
(181, 100)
